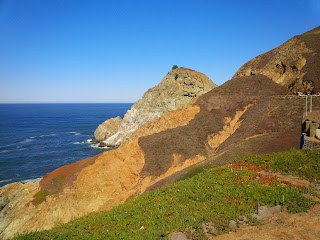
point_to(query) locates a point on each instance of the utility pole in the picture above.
(304, 95)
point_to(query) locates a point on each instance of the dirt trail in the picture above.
(282, 226)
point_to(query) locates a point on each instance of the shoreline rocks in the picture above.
(107, 129)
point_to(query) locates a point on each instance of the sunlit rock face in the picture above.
(295, 64)
(176, 90)
(107, 129)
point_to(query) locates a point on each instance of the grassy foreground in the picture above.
(216, 195)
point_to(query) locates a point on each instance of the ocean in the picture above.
(37, 138)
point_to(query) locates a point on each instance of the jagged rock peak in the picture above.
(176, 90)
(295, 64)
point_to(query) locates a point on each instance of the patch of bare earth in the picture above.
(296, 181)
(281, 226)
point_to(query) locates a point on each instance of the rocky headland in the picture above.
(176, 90)
(251, 113)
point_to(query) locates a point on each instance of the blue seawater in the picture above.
(37, 138)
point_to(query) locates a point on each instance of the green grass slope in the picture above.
(215, 195)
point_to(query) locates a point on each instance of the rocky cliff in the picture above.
(247, 114)
(176, 90)
(294, 64)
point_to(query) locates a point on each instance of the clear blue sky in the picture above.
(113, 51)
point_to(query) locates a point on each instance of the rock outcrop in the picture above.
(107, 129)
(242, 114)
(176, 90)
(248, 114)
(294, 64)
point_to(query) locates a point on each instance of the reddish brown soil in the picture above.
(54, 181)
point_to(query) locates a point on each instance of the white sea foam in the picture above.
(75, 133)
(9, 145)
(6, 180)
(12, 150)
(96, 145)
(30, 180)
(88, 141)
(27, 140)
(47, 135)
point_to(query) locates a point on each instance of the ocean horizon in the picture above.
(36, 138)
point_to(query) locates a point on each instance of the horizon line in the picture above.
(65, 102)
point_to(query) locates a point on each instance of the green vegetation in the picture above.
(305, 164)
(54, 187)
(174, 67)
(40, 196)
(215, 195)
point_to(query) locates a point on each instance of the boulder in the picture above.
(107, 129)
(267, 212)
(178, 236)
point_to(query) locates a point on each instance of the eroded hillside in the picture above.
(294, 64)
(245, 115)
(248, 114)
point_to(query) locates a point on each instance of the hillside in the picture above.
(294, 64)
(214, 202)
(247, 114)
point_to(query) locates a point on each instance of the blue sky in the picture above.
(113, 51)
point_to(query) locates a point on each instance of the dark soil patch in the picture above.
(216, 105)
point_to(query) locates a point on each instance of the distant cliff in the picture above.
(176, 90)
(294, 64)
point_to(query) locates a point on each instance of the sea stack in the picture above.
(175, 91)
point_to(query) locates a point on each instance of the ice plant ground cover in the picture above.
(216, 195)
